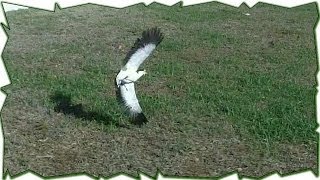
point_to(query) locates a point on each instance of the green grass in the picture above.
(234, 87)
(255, 73)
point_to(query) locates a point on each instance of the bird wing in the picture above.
(127, 96)
(143, 47)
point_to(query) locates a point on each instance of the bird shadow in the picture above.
(64, 105)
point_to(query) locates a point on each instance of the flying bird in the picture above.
(129, 73)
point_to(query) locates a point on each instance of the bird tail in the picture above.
(139, 119)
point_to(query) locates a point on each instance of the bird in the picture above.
(129, 74)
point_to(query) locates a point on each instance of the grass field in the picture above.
(224, 91)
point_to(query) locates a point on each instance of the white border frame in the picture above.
(50, 5)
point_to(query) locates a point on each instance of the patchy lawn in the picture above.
(224, 91)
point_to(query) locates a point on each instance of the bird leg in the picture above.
(133, 78)
(124, 84)
(125, 87)
(131, 81)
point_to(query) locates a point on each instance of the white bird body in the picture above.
(129, 74)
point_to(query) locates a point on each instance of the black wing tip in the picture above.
(149, 36)
(139, 119)
(152, 35)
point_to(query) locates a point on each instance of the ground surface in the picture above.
(225, 91)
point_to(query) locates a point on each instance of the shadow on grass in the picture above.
(65, 106)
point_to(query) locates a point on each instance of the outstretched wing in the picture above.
(126, 95)
(143, 48)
